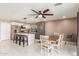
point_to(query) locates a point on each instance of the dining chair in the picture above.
(45, 44)
(58, 43)
(62, 40)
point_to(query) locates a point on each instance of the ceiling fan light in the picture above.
(40, 15)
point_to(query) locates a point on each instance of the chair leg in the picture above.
(50, 50)
(41, 50)
(13, 40)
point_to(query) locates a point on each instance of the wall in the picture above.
(0, 31)
(78, 34)
(61, 26)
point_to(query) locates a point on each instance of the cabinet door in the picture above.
(40, 29)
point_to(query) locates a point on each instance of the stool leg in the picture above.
(27, 41)
(23, 42)
(20, 41)
(16, 39)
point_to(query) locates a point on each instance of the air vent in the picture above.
(57, 4)
(25, 18)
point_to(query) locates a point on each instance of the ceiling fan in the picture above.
(41, 13)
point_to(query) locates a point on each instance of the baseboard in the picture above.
(71, 43)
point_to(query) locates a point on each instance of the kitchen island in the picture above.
(30, 36)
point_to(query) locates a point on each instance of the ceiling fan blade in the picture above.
(36, 17)
(34, 11)
(32, 14)
(48, 14)
(45, 10)
(43, 16)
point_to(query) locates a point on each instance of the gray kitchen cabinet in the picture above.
(40, 29)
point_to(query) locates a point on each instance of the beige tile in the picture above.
(8, 48)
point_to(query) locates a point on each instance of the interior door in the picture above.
(5, 30)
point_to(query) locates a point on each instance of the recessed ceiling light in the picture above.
(44, 19)
(63, 16)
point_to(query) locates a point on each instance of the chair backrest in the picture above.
(44, 41)
(44, 37)
(61, 37)
(56, 33)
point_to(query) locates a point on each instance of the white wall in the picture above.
(5, 29)
(62, 26)
(0, 31)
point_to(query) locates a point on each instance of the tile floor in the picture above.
(8, 48)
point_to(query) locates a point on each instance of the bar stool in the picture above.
(23, 38)
(17, 37)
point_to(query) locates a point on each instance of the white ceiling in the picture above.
(17, 11)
